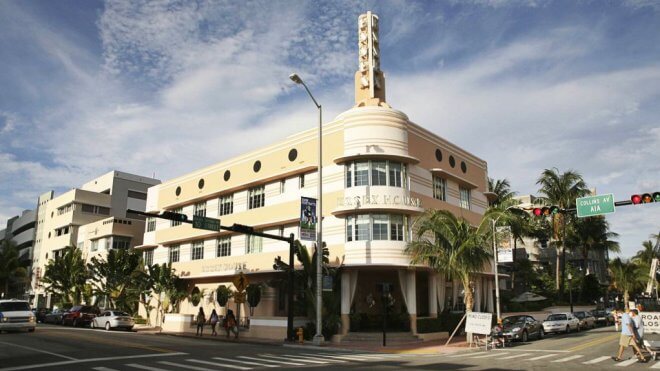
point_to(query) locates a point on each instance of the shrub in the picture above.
(427, 325)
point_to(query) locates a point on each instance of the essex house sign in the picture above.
(378, 200)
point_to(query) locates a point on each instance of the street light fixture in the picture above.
(497, 283)
(570, 289)
(318, 338)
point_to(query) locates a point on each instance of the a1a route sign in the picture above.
(594, 205)
(202, 222)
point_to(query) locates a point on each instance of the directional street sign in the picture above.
(595, 205)
(202, 222)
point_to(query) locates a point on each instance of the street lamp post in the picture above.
(497, 280)
(318, 338)
(570, 289)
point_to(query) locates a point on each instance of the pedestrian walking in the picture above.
(201, 319)
(617, 319)
(230, 323)
(213, 320)
(639, 326)
(628, 337)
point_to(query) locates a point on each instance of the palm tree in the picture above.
(645, 256)
(114, 275)
(11, 268)
(502, 189)
(626, 277)
(451, 246)
(67, 276)
(561, 189)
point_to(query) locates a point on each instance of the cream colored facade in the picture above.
(380, 171)
(86, 214)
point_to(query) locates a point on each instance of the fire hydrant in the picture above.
(299, 332)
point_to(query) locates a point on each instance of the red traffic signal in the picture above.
(547, 210)
(177, 217)
(645, 198)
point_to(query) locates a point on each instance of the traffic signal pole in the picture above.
(244, 229)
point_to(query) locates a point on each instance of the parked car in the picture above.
(79, 315)
(40, 314)
(603, 317)
(561, 322)
(587, 320)
(113, 319)
(521, 328)
(15, 315)
(55, 316)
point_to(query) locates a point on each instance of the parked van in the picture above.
(15, 315)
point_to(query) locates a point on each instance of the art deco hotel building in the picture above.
(380, 171)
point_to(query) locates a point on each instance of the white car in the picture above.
(113, 319)
(561, 322)
(15, 315)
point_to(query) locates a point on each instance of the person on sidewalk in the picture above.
(628, 338)
(213, 320)
(230, 323)
(201, 319)
(639, 327)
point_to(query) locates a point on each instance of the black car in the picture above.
(40, 314)
(522, 328)
(54, 317)
(603, 317)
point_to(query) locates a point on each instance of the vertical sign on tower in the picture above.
(504, 245)
(308, 219)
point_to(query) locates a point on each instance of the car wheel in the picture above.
(75, 322)
(525, 337)
(30, 330)
(92, 325)
(541, 334)
(107, 326)
(568, 329)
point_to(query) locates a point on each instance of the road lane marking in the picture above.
(182, 365)
(117, 343)
(656, 365)
(347, 357)
(245, 362)
(272, 361)
(216, 364)
(568, 358)
(294, 359)
(589, 344)
(542, 357)
(596, 360)
(104, 369)
(464, 355)
(492, 354)
(516, 356)
(39, 350)
(135, 365)
(626, 363)
(304, 357)
(62, 363)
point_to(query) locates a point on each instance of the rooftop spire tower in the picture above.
(369, 79)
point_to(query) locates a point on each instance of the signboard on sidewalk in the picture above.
(504, 245)
(651, 321)
(307, 219)
(478, 323)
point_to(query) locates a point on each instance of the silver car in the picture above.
(113, 319)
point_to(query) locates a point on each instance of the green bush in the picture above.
(428, 325)
(140, 321)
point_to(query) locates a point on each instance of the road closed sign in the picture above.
(478, 323)
(651, 321)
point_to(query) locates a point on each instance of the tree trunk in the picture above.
(469, 302)
(513, 265)
(626, 297)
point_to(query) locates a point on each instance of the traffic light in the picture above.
(173, 216)
(242, 228)
(645, 198)
(546, 210)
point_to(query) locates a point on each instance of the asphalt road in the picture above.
(66, 348)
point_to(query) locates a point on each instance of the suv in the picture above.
(16, 315)
(79, 315)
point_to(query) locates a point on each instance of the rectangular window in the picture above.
(174, 223)
(256, 197)
(200, 209)
(254, 244)
(121, 242)
(349, 228)
(94, 209)
(226, 205)
(396, 174)
(94, 245)
(440, 188)
(65, 209)
(301, 181)
(197, 251)
(465, 197)
(396, 228)
(361, 173)
(362, 228)
(174, 253)
(349, 175)
(379, 227)
(378, 173)
(137, 195)
(148, 257)
(151, 224)
(282, 186)
(224, 247)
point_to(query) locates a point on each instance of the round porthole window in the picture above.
(463, 167)
(438, 154)
(48, 234)
(257, 166)
(52, 214)
(178, 191)
(452, 162)
(227, 175)
(293, 154)
(200, 184)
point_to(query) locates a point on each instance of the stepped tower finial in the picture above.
(369, 79)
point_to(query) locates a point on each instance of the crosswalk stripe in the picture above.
(301, 357)
(568, 358)
(219, 364)
(516, 356)
(246, 362)
(464, 355)
(626, 363)
(596, 360)
(294, 358)
(135, 365)
(272, 361)
(378, 356)
(104, 369)
(350, 358)
(541, 357)
(491, 354)
(181, 365)
(656, 365)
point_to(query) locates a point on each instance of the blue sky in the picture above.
(168, 87)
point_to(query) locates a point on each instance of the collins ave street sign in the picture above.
(595, 205)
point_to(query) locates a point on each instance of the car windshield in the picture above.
(512, 320)
(579, 315)
(14, 306)
(557, 317)
(120, 313)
